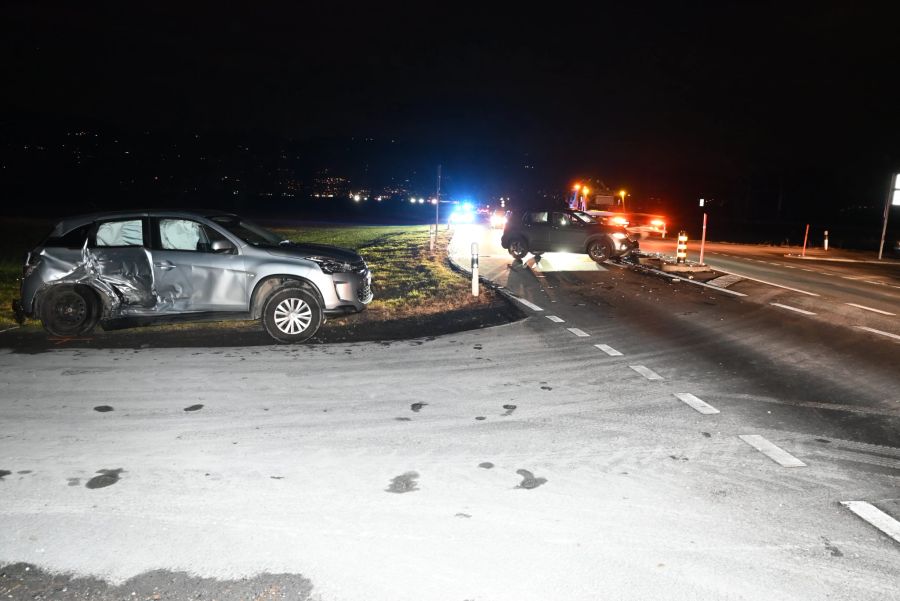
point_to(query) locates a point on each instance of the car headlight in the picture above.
(329, 265)
(619, 236)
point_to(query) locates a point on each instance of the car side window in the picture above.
(128, 232)
(537, 218)
(73, 239)
(185, 234)
(560, 219)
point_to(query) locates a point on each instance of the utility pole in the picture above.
(437, 212)
(437, 203)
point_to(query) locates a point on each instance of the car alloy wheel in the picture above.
(292, 314)
(518, 248)
(599, 251)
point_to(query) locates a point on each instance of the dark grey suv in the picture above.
(136, 268)
(564, 230)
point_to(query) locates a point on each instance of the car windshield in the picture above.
(584, 217)
(248, 232)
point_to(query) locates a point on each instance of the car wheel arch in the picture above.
(49, 287)
(271, 284)
(599, 238)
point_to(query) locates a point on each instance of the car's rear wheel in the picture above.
(518, 248)
(292, 315)
(599, 250)
(69, 310)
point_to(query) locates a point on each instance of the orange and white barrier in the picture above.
(681, 249)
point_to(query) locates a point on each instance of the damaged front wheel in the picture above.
(69, 310)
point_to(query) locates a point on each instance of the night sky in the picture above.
(672, 100)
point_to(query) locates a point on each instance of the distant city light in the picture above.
(421, 201)
(356, 198)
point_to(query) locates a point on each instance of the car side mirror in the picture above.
(222, 246)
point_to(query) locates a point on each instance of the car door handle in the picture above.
(165, 265)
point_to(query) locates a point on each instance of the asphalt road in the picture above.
(634, 438)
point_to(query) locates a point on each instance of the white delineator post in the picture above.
(805, 237)
(826, 239)
(474, 269)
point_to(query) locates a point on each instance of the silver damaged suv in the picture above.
(137, 268)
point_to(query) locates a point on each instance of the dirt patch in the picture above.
(21, 582)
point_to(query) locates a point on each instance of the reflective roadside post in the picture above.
(805, 236)
(703, 236)
(826, 239)
(474, 269)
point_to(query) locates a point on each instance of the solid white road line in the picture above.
(875, 517)
(528, 304)
(789, 308)
(767, 282)
(871, 309)
(579, 333)
(608, 350)
(773, 452)
(874, 282)
(555, 319)
(874, 331)
(646, 372)
(8, 329)
(691, 400)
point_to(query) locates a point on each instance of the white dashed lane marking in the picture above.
(555, 319)
(694, 402)
(875, 517)
(871, 309)
(608, 350)
(646, 372)
(770, 450)
(579, 333)
(789, 308)
(874, 331)
(528, 304)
